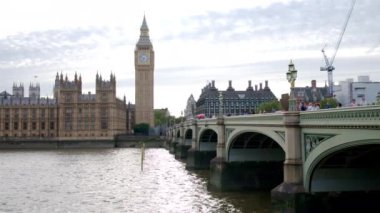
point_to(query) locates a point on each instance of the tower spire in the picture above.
(144, 34)
(144, 27)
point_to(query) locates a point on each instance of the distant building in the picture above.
(312, 94)
(190, 108)
(284, 101)
(234, 102)
(70, 115)
(364, 91)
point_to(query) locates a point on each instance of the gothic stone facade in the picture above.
(70, 115)
(191, 107)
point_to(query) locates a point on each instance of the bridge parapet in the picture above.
(354, 117)
(257, 119)
(189, 123)
(207, 121)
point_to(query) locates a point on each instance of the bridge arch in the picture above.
(208, 139)
(251, 145)
(273, 133)
(188, 137)
(255, 160)
(349, 166)
(188, 134)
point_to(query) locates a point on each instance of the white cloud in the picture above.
(195, 42)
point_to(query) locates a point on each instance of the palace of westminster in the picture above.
(71, 115)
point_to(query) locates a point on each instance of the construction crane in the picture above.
(329, 63)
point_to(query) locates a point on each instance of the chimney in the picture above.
(261, 86)
(229, 83)
(266, 84)
(313, 84)
(249, 86)
(213, 83)
(256, 87)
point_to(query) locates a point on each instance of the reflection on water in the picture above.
(111, 180)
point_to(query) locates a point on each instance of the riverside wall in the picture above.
(54, 144)
(126, 141)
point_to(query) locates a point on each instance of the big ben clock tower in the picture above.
(144, 78)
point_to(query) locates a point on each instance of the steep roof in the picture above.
(144, 39)
(4, 94)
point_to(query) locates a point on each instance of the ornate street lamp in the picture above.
(291, 75)
(220, 104)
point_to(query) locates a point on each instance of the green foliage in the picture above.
(179, 119)
(269, 106)
(161, 117)
(328, 103)
(141, 129)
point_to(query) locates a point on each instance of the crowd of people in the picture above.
(309, 107)
(315, 106)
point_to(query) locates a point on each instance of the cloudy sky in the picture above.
(194, 41)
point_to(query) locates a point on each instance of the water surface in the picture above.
(111, 180)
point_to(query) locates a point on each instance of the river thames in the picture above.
(111, 180)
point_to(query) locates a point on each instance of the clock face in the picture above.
(143, 58)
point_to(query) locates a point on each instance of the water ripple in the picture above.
(107, 180)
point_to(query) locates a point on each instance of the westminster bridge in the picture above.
(291, 153)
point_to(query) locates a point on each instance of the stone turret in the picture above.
(104, 84)
(64, 87)
(106, 88)
(18, 90)
(34, 91)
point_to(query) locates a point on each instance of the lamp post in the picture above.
(220, 115)
(291, 75)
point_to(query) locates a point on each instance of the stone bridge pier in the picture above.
(291, 190)
(246, 159)
(185, 141)
(203, 146)
(176, 136)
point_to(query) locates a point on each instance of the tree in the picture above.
(161, 116)
(141, 129)
(328, 103)
(179, 119)
(269, 106)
